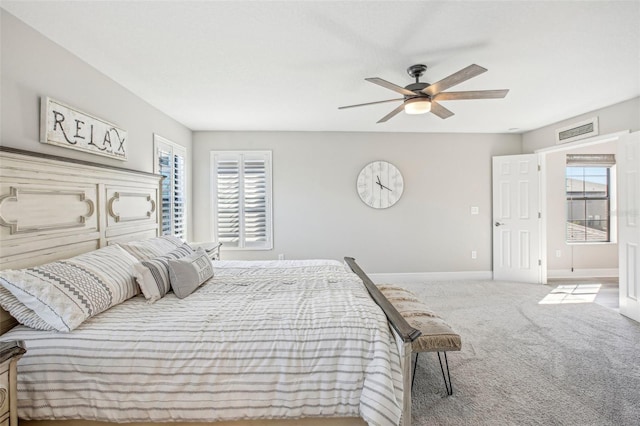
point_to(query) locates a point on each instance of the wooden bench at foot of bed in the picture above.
(437, 335)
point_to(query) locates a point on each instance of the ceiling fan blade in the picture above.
(455, 78)
(388, 85)
(474, 94)
(371, 103)
(439, 110)
(391, 114)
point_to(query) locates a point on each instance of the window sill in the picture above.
(591, 243)
(227, 248)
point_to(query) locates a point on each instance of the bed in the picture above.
(274, 342)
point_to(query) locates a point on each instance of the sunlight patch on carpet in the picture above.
(572, 293)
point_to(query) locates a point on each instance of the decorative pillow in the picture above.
(20, 312)
(152, 247)
(189, 272)
(65, 293)
(153, 274)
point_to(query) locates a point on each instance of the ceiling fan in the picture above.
(420, 98)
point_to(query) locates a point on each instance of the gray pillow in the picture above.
(187, 273)
(152, 275)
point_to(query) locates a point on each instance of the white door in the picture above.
(517, 252)
(628, 164)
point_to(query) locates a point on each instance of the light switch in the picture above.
(475, 210)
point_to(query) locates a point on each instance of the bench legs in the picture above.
(446, 377)
(447, 384)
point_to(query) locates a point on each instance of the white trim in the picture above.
(418, 277)
(583, 142)
(542, 223)
(413, 277)
(583, 273)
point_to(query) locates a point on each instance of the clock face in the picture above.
(380, 184)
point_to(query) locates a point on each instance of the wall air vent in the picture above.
(576, 131)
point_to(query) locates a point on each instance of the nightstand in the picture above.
(10, 353)
(212, 249)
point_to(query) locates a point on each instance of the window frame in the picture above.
(610, 199)
(162, 143)
(213, 190)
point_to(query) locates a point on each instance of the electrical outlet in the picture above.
(558, 253)
(281, 256)
(475, 210)
(474, 254)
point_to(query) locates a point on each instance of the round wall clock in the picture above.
(380, 184)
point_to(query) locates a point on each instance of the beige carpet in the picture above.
(524, 363)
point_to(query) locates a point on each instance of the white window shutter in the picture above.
(170, 163)
(228, 201)
(242, 199)
(179, 197)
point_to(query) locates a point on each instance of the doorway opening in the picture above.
(577, 273)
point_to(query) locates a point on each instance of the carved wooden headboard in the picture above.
(53, 208)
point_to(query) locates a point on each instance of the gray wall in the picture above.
(34, 66)
(318, 214)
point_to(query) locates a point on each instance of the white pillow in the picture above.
(152, 275)
(189, 272)
(152, 247)
(65, 293)
(20, 312)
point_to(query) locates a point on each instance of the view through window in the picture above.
(588, 191)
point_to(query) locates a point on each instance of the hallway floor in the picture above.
(603, 291)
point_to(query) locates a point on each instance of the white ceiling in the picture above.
(288, 65)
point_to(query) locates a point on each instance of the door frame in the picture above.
(542, 152)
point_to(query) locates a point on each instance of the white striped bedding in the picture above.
(260, 340)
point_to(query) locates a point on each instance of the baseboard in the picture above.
(413, 277)
(582, 273)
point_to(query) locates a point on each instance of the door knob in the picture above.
(498, 223)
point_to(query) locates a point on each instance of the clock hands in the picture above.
(381, 185)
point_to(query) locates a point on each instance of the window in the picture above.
(588, 189)
(169, 161)
(241, 199)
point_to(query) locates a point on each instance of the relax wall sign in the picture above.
(66, 126)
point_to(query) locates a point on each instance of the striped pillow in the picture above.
(65, 293)
(189, 272)
(152, 275)
(152, 247)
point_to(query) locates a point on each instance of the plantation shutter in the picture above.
(179, 199)
(228, 202)
(255, 201)
(170, 163)
(164, 168)
(242, 199)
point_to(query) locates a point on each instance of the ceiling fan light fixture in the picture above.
(417, 106)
